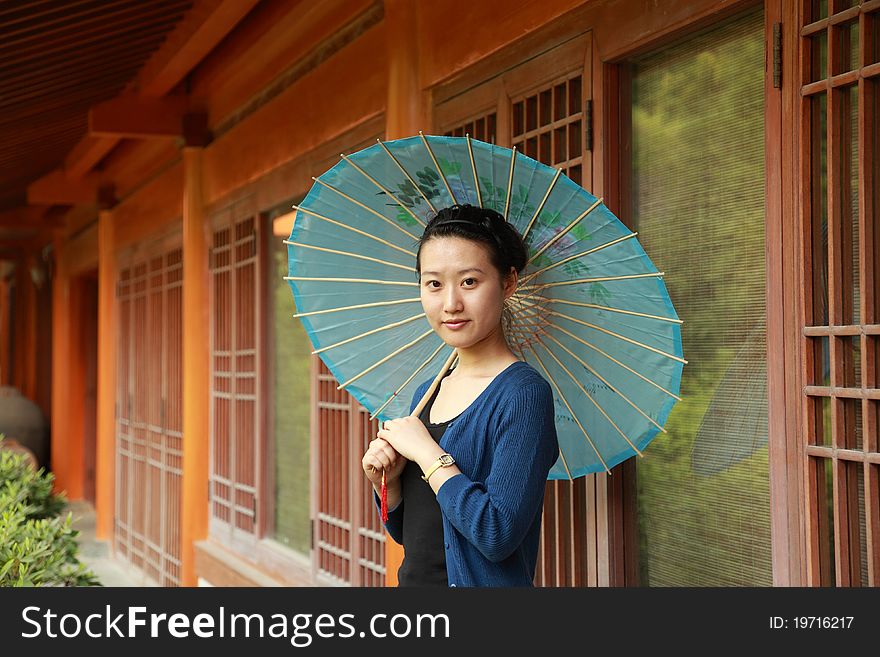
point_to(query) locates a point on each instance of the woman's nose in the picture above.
(452, 301)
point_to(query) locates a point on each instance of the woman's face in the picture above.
(459, 282)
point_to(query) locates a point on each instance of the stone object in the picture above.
(22, 420)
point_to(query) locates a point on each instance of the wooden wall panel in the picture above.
(334, 98)
(151, 209)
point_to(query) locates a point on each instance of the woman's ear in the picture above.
(510, 283)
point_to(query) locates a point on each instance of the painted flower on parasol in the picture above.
(591, 312)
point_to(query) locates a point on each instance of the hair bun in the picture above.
(485, 224)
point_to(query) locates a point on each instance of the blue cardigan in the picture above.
(504, 443)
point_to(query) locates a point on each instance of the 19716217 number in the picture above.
(822, 622)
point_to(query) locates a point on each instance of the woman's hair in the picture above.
(504, 243)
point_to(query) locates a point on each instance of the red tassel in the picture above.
(384, 496)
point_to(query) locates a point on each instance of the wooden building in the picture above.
(149, 156)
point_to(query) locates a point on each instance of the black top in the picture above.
(424, 561)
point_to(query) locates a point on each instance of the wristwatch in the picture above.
(444, 461)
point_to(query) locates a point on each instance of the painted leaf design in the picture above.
(600, 294)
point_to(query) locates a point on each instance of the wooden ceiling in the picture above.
(58, 59)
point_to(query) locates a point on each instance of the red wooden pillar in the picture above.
(5, 328)
(19, 320)
(194, 514)
(73, 415)
(406, 113)
(105, 458)
(29, 336)
(60, 459)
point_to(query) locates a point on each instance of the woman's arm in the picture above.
(496, 516)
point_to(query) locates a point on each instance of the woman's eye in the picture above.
(474, 280)
(429, 283)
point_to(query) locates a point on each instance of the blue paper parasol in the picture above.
(591, 312)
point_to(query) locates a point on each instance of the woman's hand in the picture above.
(381, 455)
(409, 438)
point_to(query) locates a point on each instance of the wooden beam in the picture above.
(57, 188)
(32, 216)
(197, 34)
(131, 116)
(23, 245)
(21, 217)
(87, 153)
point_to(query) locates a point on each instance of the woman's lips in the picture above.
(454, 326)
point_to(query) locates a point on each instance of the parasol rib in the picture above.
(611, 358)
(657, 274)
(385, 327)
(523, 302)
(614, 360)
(474, 170)
(379, 185)
(547, 300)
(351, 228)
(541, 206)
(368, 209)
(408, 268)
(509, 182)
(617, 335)
(553, 265)
(387, 358)
(571, 412)
(603, 380)
(406, 383)
(375, 304)
(348, 280)
(437, 166)
(561, 233)
(672, 320)
(408, 177)
(579, 385)
(520, 316)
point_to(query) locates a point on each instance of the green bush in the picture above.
(21, 484)
(37, 548)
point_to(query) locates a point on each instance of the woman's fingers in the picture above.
(380, 455)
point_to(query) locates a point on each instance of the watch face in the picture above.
(446, 459)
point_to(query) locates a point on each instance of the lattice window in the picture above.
(548, 125)
(840, 90)
(349, 539)
(235, 415)
(149, 422)
(482, 127)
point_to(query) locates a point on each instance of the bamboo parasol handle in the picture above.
(436, 382)
(416, 411)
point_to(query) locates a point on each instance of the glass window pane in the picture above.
(819, 207)
(849, 196)
(698, 204)
(292, 396)
(818, 56)
(872, 37)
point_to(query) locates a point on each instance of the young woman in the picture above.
(465, 480)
